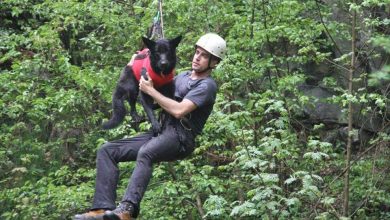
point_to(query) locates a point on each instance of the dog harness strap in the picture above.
(158, 80)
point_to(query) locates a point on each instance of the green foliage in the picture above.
(61, 190)
(259, 157)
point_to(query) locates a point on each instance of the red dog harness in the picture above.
(143, 60)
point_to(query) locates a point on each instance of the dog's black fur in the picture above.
(163, 61)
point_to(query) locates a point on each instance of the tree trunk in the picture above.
(350, 113)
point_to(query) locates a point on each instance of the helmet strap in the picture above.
(208, 65)
(212, 57)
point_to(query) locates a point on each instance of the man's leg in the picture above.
(107, 174)
(165, 147)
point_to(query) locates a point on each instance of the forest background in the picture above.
(300, 129)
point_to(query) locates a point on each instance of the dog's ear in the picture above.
(175, 41)
(149, 43)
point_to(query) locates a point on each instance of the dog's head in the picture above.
(162, 54)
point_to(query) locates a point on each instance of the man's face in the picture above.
(200, 61)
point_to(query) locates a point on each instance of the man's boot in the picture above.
(124, 211)
(91, 215)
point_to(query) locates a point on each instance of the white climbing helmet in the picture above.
(213, 44)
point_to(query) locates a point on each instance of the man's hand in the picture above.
(146, 86)
(176, 109)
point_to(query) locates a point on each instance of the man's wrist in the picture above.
(152, 92)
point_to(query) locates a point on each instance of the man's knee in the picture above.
(145, 154)
(104, 150)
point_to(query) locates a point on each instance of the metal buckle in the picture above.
(185, 123)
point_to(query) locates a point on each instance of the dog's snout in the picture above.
(163, 63)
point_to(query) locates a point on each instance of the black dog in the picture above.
(159, 59)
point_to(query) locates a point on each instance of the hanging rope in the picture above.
(161, 13)
(156, 31)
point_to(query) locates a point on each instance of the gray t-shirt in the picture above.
(202, 92)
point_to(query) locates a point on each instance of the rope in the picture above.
(162, 22)
(158, 23)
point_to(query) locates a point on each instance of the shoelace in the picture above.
(124, 207)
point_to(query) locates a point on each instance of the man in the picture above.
(195, 93)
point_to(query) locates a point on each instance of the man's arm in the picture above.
(176, 109)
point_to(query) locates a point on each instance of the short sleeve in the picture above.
(203, 94)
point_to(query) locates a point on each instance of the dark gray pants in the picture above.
(145, 150)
